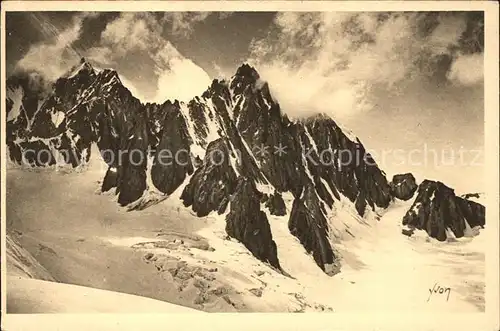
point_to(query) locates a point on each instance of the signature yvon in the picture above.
(439, 290)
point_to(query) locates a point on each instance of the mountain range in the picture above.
(231, 151)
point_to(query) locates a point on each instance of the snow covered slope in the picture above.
(168, 253)
(32, 296)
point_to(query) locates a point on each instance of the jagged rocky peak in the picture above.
(403, 186)
(246, 76)
(84, 74)
(442, 214)
(247, 71)
(110, 74)
(341, 159)
(78, 109)
(218, 89)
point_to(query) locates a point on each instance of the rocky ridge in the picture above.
(442, 214)
(228, 150)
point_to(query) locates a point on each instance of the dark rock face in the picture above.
(37, 153)
(37, 122)
(212, 183)
(360, 203)
(344, 164)
(403, 186)
(198, 112)
(82, 108)
(246, 164)
(308, 223)
(407, 232)
(267, 132)
(249, 225)
(473, 212)
(131, 180)
(172, 162)
(110, 180)
(73, 153)
(276, 205)
(118, 124)
(437, 209)
(287, 151)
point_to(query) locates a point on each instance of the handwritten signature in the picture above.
(439, 290)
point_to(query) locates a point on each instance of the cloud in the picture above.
(447, 33)
(141, 35)
(467, 69)
(131, 31)
(183, 23)
(37, 84)
(134, 44)
(183, 81)
(220, 74)
(332, 61)
(55, 55)
(100, 54)
(128, 83)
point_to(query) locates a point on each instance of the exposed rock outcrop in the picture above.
(308, 223)
(132, 165)
(276, 205)
(248, 224)
(110, 180)
(473, 212)
(437, 210)
(172, 159)
(212, 183)
(342, 163)
(403, 186)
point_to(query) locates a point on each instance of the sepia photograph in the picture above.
(229, 160)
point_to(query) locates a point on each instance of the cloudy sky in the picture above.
(410, 85)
